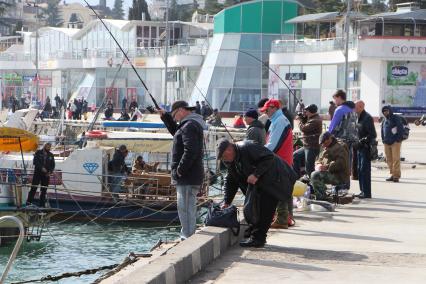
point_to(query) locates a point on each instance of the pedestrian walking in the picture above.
(44, 165)
(392, 131)
(187, 160)
(367, 135)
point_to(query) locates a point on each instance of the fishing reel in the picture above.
(151, 109)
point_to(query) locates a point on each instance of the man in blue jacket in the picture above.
(392, 131)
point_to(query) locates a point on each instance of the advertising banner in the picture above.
(406, 87)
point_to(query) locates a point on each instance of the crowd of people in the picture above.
(266, 159)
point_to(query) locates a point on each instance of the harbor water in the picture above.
(77, 246)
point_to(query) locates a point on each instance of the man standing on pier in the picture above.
(44, 164)
(187, 160)
(252, 163)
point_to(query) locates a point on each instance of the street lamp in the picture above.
(36, 5)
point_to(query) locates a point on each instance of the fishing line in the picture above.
(125, 55)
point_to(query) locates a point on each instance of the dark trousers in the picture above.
(268, 205)
(305, 157)
(364, 171)
(39, 179)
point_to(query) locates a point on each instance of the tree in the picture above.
(322, 6)
(173, 11)
(117, 11)
(51, 14)
(139, 7)
(212, 7)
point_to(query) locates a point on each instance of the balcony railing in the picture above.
(312, 45)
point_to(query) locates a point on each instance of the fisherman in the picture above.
(255, 129)
(117, 168)
(215, 119)
(251, 163)
(187, 160)
(140, 166)
(44, 164)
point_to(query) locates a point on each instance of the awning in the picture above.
(12, 139)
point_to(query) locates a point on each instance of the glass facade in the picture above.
(321, 83)
(233, 75)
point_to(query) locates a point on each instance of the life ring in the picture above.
(97, 134)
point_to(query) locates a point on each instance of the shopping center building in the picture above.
(387, 61)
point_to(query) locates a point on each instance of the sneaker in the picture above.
(276, 225)
(389, 179)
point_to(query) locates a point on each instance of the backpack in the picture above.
(405, 126)
(347, 129)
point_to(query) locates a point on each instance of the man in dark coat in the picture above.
(44, 164)
(310, 124)
(250, 163)
(187, 160)
(367, 134)
(117, 168)
(392, 131)
(255, 129)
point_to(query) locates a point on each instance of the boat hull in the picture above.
(104, 208)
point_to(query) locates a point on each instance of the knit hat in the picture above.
(252, 113)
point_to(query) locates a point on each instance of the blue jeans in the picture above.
(187, 209)
(364, 171)
(305, 157)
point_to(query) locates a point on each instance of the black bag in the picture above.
(252, 205)
(225, 218)
(374, 152)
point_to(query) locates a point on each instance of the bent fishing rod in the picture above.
(291, 91)
(125, 55)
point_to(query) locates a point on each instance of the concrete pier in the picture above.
(380, 240)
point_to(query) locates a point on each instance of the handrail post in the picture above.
(17, 245)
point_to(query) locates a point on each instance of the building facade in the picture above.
(235, 72)
(85, 62)
(387, 64)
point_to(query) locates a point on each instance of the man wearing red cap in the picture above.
(279, 139)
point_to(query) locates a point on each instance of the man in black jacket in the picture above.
(251, 163)
(367, 134)
(117, 168)
(187, 160)
(44, 164)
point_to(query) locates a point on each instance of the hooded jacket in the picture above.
(256, 132)
(275, 177)
(187, 153)
(392, 128)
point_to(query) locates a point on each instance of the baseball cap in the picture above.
(181, 104)
(312, 108)
(271, 103)
(221, 146)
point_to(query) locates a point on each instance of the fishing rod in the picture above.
(210, 105)
(291, 91)
(125, 55)
(101, 107)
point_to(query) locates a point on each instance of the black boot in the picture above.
(252, 243)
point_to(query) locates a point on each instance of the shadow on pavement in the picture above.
(338, 235)
(315, 254)
(282, 265)
(378, 209)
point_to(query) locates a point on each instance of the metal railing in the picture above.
(17, 245)
(312, 45)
